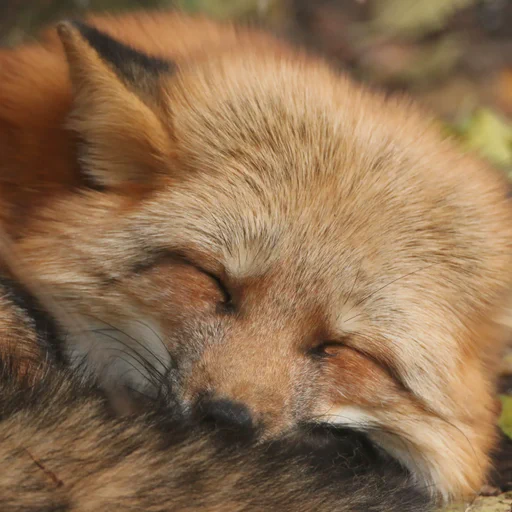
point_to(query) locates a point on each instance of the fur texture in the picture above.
(63, 450)
(215, 209)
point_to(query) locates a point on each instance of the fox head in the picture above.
(283, 245)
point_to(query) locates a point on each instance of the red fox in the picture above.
(206, 206)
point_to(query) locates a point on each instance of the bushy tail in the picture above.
(62, 450)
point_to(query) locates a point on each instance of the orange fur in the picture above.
(330, 215)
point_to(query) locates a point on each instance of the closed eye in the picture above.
(334, 348)
(328, 348)
(161, 257)
(226, 306)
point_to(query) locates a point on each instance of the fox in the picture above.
(204, 206)
(63, 448)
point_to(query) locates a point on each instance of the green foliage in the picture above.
(505, 421)
(490, 135)
(413, 17)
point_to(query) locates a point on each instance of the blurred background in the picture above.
(453, 56)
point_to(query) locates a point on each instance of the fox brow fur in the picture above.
(62, 449)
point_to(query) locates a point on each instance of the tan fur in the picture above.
(331, 215)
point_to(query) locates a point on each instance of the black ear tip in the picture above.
(88, 32)
(125, 59)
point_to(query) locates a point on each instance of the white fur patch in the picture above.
(349, 416)
(119, 355)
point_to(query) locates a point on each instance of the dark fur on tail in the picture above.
(61, 449)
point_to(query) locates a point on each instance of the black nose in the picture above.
(224, 413)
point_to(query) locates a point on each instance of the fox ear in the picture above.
(115, 98)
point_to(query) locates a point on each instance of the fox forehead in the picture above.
(282, 157)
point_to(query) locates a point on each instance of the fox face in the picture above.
(281, 245)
